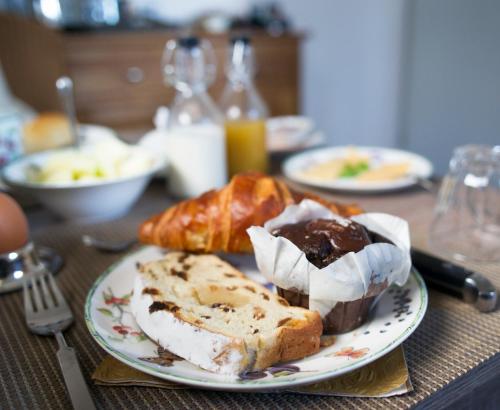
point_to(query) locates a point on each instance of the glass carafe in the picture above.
(195, 127)
(466, 221)
(244, 110)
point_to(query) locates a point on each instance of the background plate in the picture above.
(420, 167)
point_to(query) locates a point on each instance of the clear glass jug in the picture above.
(244, 110)
(466, 221)
(196, 139)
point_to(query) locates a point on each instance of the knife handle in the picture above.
(456, 280)
(440, 273)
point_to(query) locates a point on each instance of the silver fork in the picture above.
(47, 313)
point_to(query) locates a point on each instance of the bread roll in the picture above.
(47, 131)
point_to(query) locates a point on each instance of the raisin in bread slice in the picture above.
(204, 310)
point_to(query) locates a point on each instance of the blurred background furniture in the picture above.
(117, 74)
(32, 59)
(396, 74)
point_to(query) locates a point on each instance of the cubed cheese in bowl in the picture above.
(93, 183)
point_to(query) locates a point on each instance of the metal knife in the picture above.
(443, 275)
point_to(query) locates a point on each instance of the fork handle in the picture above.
(73, 377)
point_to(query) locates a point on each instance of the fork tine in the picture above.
(49, 301)
(59, 298)
(28, 304)
(36, 294)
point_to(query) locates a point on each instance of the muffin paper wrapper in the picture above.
(346, 279)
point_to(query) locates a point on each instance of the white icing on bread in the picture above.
(202, 309)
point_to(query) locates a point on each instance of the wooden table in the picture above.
(453, 357)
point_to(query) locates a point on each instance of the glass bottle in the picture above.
(195, 128)
(244, 110)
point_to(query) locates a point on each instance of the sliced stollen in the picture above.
(204, 310)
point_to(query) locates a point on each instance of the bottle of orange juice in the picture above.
(245, 112)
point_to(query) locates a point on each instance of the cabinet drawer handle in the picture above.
(135, 75)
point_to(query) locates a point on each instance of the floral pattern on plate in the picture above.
(112, 325)
(116, 310)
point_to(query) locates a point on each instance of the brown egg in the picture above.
(13, 225)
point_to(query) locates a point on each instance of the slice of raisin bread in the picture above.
(204, 310)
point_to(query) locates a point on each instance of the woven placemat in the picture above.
(452, 339)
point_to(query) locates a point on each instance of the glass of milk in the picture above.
(196, 141)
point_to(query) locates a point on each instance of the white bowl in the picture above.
(82, 202)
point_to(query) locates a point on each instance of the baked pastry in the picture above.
(204, 310)
(333, 265)
(48, 130)
(217, 220)
(323, 241)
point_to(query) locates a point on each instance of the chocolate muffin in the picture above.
(324, 241)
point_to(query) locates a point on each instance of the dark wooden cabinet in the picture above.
(118, 80)
(117, 74)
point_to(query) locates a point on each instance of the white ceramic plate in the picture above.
(420, 167)
(156, 142)
(93, 133)
(396, 316)
(292, 133)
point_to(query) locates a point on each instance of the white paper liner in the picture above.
(344, 280)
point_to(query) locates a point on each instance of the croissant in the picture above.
(217, 220)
